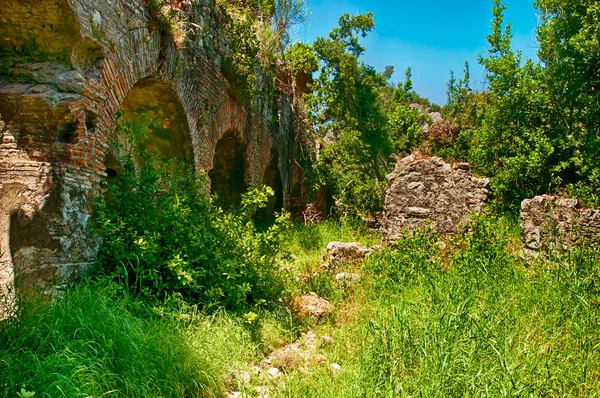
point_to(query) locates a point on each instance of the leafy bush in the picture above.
(404, 126)
(535, 128)
(161, 235)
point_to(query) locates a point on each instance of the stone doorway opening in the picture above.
(151, 119)
(228, 175)
(272, 178)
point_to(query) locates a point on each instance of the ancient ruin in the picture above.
(430, 192)
(551, 225)
(68, 68)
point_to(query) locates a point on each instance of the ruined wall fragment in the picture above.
(62, 85)
(430, 192)
(552, 225)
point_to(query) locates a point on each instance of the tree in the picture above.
(569, 48)
(512, 144)
(344, 108)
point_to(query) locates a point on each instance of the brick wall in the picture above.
(60, 113)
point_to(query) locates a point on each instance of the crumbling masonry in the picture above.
(67, 67)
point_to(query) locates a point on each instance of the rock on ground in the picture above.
(310, 306)
(301, 353)
(342, 253)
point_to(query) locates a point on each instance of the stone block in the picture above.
(428, 192)
(553, 225)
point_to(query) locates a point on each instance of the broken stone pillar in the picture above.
(24, 186)
(430, 192)
(551, 224)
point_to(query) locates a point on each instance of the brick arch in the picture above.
(153, 103)
(272, 177)
(135, 58)
(229, 175)
(229, 117)
(67, 131)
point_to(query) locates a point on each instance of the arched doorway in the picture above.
(153, 117)
(228, 175)
(271, 178)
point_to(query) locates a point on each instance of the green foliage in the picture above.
(460, 316)
(300, 57)
(162, 236)
(410, 257)
(569, 50)
(239, 66)
(344, 108)
(360, 119)
(512, 145)
(97, 340)
(257, 33)
(535, 128)
(404, 126)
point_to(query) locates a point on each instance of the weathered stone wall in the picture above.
(66, 69)
(430, 192)
(551, 224)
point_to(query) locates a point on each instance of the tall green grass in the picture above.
(431, 317)
(307, 245)
(308, 242)
(99, 341)
(467, 318)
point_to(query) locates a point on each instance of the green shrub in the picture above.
(161, 235)
(403, 259)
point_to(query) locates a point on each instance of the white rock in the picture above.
(274, 372)
(347, 276)
(326, 341)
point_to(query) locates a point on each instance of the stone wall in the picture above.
(550, 224)
(430, 192)
(67, 68)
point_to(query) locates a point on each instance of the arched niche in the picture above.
(228, 175)
(152, 112)
(272, 178)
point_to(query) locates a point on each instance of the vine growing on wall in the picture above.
(239, 65)
(257, 33)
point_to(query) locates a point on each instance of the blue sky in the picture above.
(432, 37)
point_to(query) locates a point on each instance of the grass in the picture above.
(99, 341)
(308, 243)
(487, 326)
(456, 316)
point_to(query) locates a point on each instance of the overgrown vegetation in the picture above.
(162, 236)
(432, 316)
(463, 316)
(257, 33)
(98, 339)
(186, 294)
(535, 128)
(359, 119)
